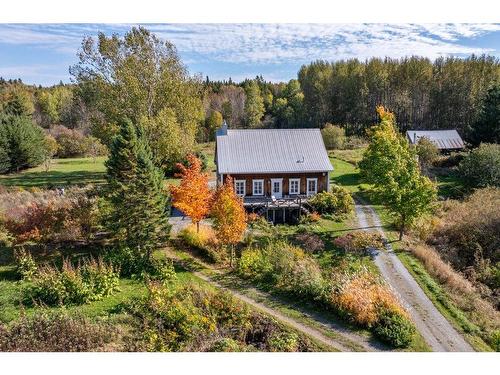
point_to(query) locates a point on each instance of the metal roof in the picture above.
(443, 139)
(271, 151)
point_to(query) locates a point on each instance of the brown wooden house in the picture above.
(274, 170)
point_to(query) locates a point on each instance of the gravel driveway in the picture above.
(436, 330)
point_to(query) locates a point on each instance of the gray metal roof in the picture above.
(271, 151)
(443, 139)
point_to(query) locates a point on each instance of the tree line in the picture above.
(141, 77)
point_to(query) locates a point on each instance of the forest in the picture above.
(143, 78)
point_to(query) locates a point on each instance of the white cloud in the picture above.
(255, 44)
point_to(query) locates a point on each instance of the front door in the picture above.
(276, 187)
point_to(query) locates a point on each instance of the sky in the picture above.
(42, 53)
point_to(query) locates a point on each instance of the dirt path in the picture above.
(436, 330)
(344, 340)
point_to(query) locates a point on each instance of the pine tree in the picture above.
(136, 192)
(254, 105)
(487, 127)
(23, 143)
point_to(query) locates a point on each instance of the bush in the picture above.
(467, 235)
(204, 240)
(338, 201)
(71, 285)
(191, 317)
(283, 342)
(48, 216)
(362, 298)
(481, 168)
(395, 329)
(359, 242)
(286, 267)
(427, 153)
(354, 142)
(25, 264)
(333, 136)
(310, 242)
(56, 332)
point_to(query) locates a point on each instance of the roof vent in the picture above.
(301, 160)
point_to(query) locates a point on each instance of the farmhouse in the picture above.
(274, 170)
(445, 140)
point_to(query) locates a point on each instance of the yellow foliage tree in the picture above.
(230, 221)
(192, 196)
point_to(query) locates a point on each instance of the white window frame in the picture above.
(309, 192)
(290, 180)
(262, 187)
(244, 187)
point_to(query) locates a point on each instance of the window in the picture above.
(294, 186)
(240, 187)
(258, 187)
(312, 186)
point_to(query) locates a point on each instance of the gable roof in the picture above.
(443, 139)
(271, 151)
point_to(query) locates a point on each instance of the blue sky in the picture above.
(42, 53)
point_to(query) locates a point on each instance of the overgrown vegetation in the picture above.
(354, 292)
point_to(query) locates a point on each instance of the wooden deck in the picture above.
(279, 209)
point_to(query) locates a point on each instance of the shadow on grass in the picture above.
(347, 179)
(53, 178)
(8, 274)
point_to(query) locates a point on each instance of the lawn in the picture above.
(63, 172)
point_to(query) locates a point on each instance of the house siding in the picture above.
(321, 176)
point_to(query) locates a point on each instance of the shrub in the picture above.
(359, 242)
(286, 267)
(338, 201)
(283, 342)
(467, 235)
(25, 264)
(481, 168)
(427, 153)
(191, 317)
(204, 240)
(333, 136)
(354, 142)
(310, 242)
(160, 270)
(71, 285)
(56, 332)
(395, 329)
(48, 216)
(363, 299)
(71, 142)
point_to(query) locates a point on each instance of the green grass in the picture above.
(11, 292)
(63, 172)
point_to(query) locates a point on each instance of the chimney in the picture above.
(223, 129)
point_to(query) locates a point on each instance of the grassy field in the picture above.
(63, 172)
(82, 171)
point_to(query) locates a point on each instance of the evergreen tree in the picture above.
(136, 192)
(22, 145)
(4, 151)
(254, 105)
(487, 128)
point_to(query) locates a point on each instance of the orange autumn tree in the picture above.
(230, 221)
(192, 196)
